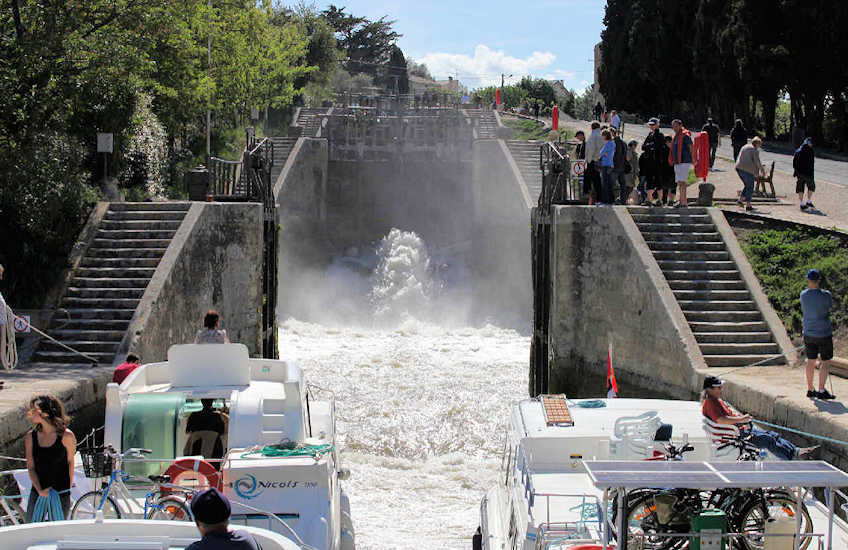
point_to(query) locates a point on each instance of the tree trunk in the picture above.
(769, 106)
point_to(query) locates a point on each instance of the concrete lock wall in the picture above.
(501, 233)
(608, 290)
(301, 188)
(214, 261)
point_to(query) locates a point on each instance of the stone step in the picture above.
(146, 225)
(722, 316)
(676, 227)
(134, 234)
(701, 274)
(707, 285)
(88, 335)
(715, 305)
(130, 243)
(88, 282)
(79, 292)
(71, 302)
(119, 262)
(657, 210)
(685, 245)
(705, 327)
(666, 236)
(142, 215)
(742, 360)
(707, 265)
(83, 346)
(712, 295)
(60, 322)
(115, 272)
(740, 348)
(125, 252)
(692, 255)
(70, 357)
(148, 206)
(732, 337)
(672, 218)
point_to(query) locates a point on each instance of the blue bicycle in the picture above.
(98, 463)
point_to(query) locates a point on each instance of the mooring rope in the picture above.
(801, 432)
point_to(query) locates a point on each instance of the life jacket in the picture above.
(683, 132)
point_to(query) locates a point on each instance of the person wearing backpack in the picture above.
(681, 157)
(804, 163)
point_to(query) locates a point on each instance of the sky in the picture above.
(478, 41)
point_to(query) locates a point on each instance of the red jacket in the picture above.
(122, 371)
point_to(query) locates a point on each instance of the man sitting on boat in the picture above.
(716, 409)
(205, 428)
(211, 511)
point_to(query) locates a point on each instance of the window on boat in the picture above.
(204, 427)
(151, 421)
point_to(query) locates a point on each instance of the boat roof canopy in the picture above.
(607, 474)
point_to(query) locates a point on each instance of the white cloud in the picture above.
(484, 68)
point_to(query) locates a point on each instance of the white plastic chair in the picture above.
(633, 436)
(717, 435)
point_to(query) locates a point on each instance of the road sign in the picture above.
(22, 324)
(578, 167)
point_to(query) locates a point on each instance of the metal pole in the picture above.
(622, 535)
(799, 501)
(830, 498)
(605, 518)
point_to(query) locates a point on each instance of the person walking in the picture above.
(669, 186)
(748, 166)
(619, 162)
(738, 138)
(49, 448)
(682, 157)
(536, 109)
(607, 163)
(598, 111)
(804, 164)
(716, 409)
(210, 333)
(592, 177)
(654, 160)
(712, 130)
(818, 332)
(211, 511)
(615, 121)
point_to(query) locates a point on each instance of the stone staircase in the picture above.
(485, 122)
(728, 326)
(282, 149)
(526, 156)
(310, 120)
(111, 278)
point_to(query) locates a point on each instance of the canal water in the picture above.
(423, 390)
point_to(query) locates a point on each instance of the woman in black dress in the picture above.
(50, 449)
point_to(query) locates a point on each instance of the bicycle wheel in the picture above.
(752, 518)
(86, 506)
(169, 509)
(641, 520)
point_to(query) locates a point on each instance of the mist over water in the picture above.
(422, 396)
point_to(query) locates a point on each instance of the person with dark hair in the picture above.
(654, 159)
(738, 137)
(205, 420)
(683, 159)
(711, 128)
(804, 164)
(716, 409)
(598, 111)
(124, 369)
(50, 448)
(211, 334)
(211, 512)
(818, 332)
(619, 162)
(580, 149)
(669, 186)
(632, 170)
(592, 177)
(607, 167)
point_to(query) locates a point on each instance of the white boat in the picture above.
(546, 496)
(119, 534)
(279, 453)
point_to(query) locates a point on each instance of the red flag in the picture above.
(498, 96)
(555, 117)
(612, 385)
(702, 155)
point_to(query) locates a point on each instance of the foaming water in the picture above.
(422, 413)
(422, 399)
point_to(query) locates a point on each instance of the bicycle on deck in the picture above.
(101, 462)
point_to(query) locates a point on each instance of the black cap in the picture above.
(210, 507)
(713, 382)
(814, 275)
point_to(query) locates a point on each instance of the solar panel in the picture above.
(705, 475)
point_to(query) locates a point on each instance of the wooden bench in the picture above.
(760, 184)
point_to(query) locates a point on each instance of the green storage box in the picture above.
(712, 525)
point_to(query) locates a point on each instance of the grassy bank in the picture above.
(525, 129)
(781, 258)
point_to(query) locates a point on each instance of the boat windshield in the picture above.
(150, 422)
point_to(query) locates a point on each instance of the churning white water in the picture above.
(422, 404)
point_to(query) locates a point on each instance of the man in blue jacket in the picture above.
(818, 333)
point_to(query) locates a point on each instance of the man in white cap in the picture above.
(211, 511)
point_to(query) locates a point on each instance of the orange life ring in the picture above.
(183, 466)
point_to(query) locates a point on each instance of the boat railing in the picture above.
(313, 390)
(590, 513)
(11, 512)
(710, 539)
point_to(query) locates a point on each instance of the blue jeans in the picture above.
(607, 183)
(773, 443)
(748, 180)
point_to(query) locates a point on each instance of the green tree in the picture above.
(367, 44)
